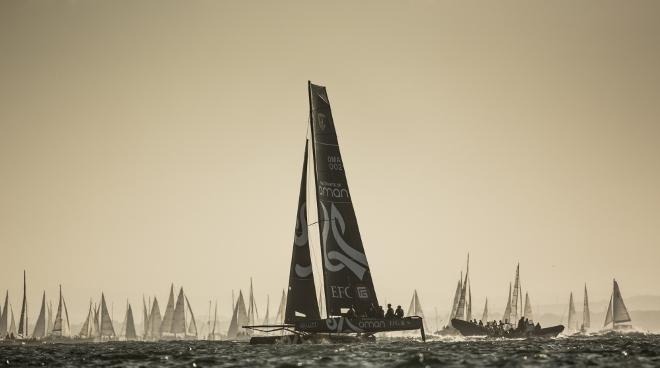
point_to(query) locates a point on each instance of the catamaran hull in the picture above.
(310, 339)
(471, 329)
(367, 326)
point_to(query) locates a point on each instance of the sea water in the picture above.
(638, 350)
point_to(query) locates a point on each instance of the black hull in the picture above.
(310, 339)
(471, 329)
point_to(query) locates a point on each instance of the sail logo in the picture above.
(337, 325)
(355, 260)
(300, 239)
(333, 190)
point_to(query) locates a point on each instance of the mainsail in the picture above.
(145, 318)
(267, 317)
(239, 318)
(572, 320)
(106, 322)
(40, 327)
(528, 308)
(61, 325)
(468, 307)
(86, 329)
(12, 326)
(130, 333)
(179, 315)
(507, 310)
(51, 321)
(4, 318)
(23, 322)
(168, 317)
(586, 316)
(484, 317)
(608, 314)
(461, 312)
(346, 274)
(301, 279)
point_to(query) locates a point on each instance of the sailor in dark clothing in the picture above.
(350, 313)
(371, 312)
(390, 311)
(399, 312)
(380, 312)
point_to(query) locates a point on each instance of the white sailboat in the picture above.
(4, 317)
(617, 314)
(571, 325)
(40, 328)
(586, 316)
(61, 326)
(415, 309)
(107, 331)
(239, 319)
(484, 316)
(528, 309)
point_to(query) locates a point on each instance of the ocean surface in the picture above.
(607, 351)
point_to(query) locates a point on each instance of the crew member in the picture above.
(390, 311)
(399, 312)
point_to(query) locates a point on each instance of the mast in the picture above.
(58, 327)
(23, 322)
(346, 275)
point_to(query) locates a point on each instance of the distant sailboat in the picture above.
(154, 321)
(12, 326)
(192, 324)
(517, 293)
(279, 317)
(617, 312)
(239, 317)
(168, 317)
(507, 310)
(4, 317)
(484, 317)
(23, 322)
(145, 319)
(252, 313)
(51, 321)
(572, 318)
(106, 322)
(61, 327)
(87, 330)
(415, 309)
(40, 328)
(129, 331)
(179, 316)
(267, 317)
(586, 316)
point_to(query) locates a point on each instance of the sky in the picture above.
(144, 143)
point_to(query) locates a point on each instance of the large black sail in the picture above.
(302, 292)
(346, 273)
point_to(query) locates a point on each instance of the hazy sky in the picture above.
(149, 142)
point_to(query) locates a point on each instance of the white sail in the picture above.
(155, 320)
(484, 316)
(215, 320)
(528, 308)
(608, 314)
(572, 320)
(253, 313)
(40, 327)
(619, 311)
(168, 317)
(468, 308)
(586, 316)
(192, 327)
(179, 316)
(129, 332)
(507, 310)
(106, 322)
(96, 325)
(86, 329)
(51, 320)
(239, 317)
(457, 296)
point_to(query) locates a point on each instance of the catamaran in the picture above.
(617, 314)
(346, 278)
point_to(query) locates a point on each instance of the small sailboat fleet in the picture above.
(516, 322)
